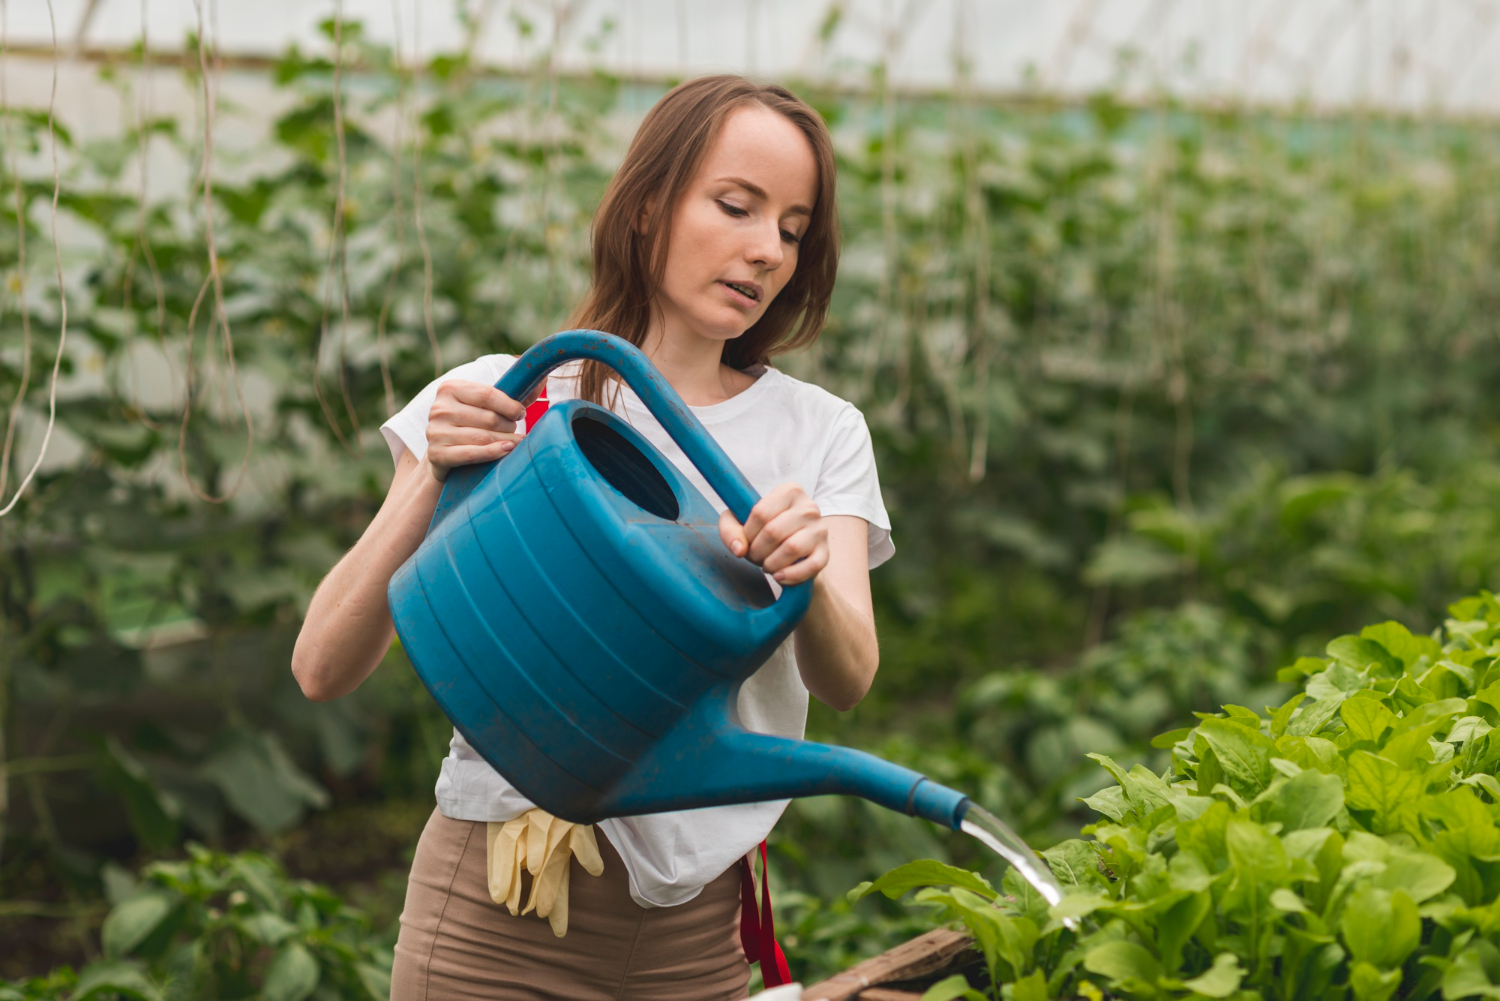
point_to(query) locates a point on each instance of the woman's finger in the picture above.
(766, 510)
(733, 534)
(450, 435)
(443, 458)
(780, 528)
(484, 397)
(452, 411)
(802, 557)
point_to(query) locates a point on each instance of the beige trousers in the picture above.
(456, 942)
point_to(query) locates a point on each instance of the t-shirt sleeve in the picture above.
(848, 483)
(407, 428)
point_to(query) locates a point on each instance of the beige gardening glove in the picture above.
(544, 846)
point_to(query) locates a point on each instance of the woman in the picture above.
(715, 246)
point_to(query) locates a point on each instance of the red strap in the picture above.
(757, 927)
(536, 410)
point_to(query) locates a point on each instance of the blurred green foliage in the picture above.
(218, 926)
(1160, 397)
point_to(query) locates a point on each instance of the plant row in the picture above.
(1342, 844)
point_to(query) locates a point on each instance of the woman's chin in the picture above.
(722, 331)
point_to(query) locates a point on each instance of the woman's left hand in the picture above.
(785, 535)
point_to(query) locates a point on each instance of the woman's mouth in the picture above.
(745, 294)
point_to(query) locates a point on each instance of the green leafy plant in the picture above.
(216, 926)
(1341, 844)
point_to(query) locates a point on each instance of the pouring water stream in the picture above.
(989, 829)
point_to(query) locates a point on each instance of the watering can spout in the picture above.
(710, 760)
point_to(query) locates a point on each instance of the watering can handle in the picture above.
(654, 390)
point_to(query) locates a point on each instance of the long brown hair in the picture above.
(632, 223)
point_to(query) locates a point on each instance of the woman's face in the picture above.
(735, 230)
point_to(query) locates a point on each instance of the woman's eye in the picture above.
(790, 237)
(733, 210)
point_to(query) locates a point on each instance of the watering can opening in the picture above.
(624, 467)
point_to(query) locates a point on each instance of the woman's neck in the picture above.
(694, 367)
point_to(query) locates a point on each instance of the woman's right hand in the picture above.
(470, 422)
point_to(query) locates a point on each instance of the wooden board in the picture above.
(887, 994)
(924, 954)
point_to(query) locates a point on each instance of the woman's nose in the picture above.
(765, 248)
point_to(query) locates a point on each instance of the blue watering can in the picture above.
(576, 615)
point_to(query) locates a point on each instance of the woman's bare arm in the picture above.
(837, 651)
(786, 535)
(348, 625)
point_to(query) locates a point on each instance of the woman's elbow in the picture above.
(857, 687)
(314, 675)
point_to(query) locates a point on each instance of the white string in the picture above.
(142, 243)
(214, 280)
(337, 253)
(15, 166)
(62, 298)
(416, 194)
(397, 209)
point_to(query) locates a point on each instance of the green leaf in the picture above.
(924, 872)
(1123, 963)
(1311, 799)
(1166, 741)
(115, 977)
(1281, 716)
(1308, 720)
(376, 981)
(1380, 927)
(1285, 900)
(1370, 984)
(1032, 987)
(1302, 667)
(292, 976)
(1474, 972)
(1431, 712)
(153, 816)
(1176, 925)
(1338, 677)
(269, 928)
(1400, 642)
(1417, 874)
(952, 987)
(1362, 654)
(1144, 791)
(1468, 728)
(1488, 783)
(1258, 862)
(1381, 786)
(129, 924)
(1001, 937)
(1221, 980)
(1076, 905)
(1074, 863)
(1367, 719)
(1110, 801)
(1243, 754)
(259, 780)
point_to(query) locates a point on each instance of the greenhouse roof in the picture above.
(1426, 56)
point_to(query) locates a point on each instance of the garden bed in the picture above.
(903, 973)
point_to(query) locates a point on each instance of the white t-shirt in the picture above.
(779, 430)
